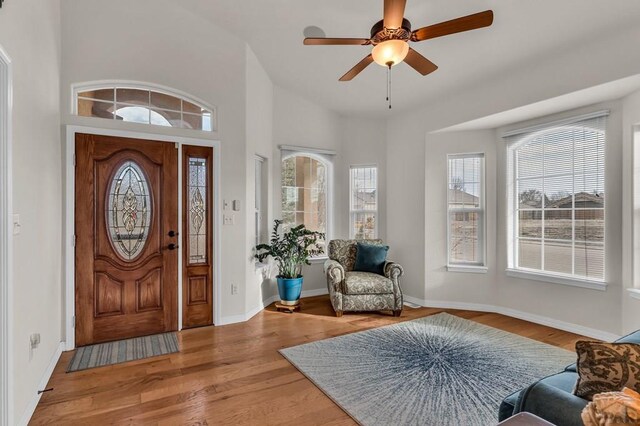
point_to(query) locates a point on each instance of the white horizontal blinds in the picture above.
(465, 205)
(559, 199)
(363, 204)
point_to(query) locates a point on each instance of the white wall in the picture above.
(155, 41)
(442, 285)
(594, 309)
(545, 78)
(299, 122)
(30, 34)
(259, 142)
(631, 220)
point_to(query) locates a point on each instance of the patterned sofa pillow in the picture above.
(606, 367)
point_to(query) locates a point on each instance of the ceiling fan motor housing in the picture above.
(379, 33)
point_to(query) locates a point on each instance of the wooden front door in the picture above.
(126, 227)
(197, 236)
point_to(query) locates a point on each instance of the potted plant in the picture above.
(290, 250)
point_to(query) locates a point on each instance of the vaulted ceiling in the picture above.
(523, 32)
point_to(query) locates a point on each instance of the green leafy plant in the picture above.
(291, 250)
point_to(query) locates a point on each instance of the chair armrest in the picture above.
(334, 271)
(393, 270)
(553, 404)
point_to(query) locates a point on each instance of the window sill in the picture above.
(634, 292)
(472, 269)
(319, 259)
(556, 279)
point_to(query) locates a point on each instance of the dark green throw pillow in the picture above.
(371, 258)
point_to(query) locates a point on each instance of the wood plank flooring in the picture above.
(233, 375)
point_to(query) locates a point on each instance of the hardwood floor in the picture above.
(233, 374)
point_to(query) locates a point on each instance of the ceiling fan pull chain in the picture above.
(389, 84)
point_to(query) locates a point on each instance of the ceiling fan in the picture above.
(390, 39)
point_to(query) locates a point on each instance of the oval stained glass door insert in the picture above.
(129, 210)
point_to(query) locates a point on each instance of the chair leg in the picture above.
(338, 314)
(397, 313)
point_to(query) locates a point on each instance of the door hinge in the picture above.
(73, 322)
(177, 145)
(74, 160)
(74, 240)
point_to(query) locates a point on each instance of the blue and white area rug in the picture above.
(438, 370)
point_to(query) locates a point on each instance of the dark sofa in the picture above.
(552, 398)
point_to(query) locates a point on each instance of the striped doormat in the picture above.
(122, 351)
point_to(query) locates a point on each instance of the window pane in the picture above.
(530, 224)
(100, 94)
(197, 210)
(530, 193)
(144, 106)
(557, 257)
(129, 210)
(463, 237)
(530, 254)
(590, 225)
(163, 101)
(561, 170)
(589, 260)
(558, 224)
(304, 193)
(364, 226)
(363, 187)
(132, 97)
(88, 108)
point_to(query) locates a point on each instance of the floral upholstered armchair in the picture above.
(351, 290)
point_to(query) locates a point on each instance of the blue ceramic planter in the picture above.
(290, 289)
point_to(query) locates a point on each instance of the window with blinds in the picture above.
(364, 202)
(465, 210)
(557, 201)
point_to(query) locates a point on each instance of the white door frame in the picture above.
(69, 254)
(6, 242)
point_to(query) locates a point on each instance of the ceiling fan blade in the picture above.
(458, 25)
(420, 63)
(358, 68)
(394, 13)
(320, 41)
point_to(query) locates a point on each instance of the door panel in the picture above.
(126, 204)
(197, 236)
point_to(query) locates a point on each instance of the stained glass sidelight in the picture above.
(129, 210)
(197, 210)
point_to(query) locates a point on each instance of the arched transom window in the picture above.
(139, 104)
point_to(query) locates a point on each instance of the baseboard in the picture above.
(538, 319)
(31, 408)
(234, 319)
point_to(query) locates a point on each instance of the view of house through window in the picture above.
(363, 202)
(559, 200)
(144, 106)
(465, 204)
(304, 192)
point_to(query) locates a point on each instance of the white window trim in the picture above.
(471, 267)
(556, 279)
(634, 293)
(6, 242)
(544, 276)
(376, 211)
(141, 85)
(326, 158)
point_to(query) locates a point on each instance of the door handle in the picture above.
(173, 233)
(172, 246)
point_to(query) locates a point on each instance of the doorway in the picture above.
(144, 302)
(126, 227)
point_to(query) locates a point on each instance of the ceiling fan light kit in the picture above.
(390, 40)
